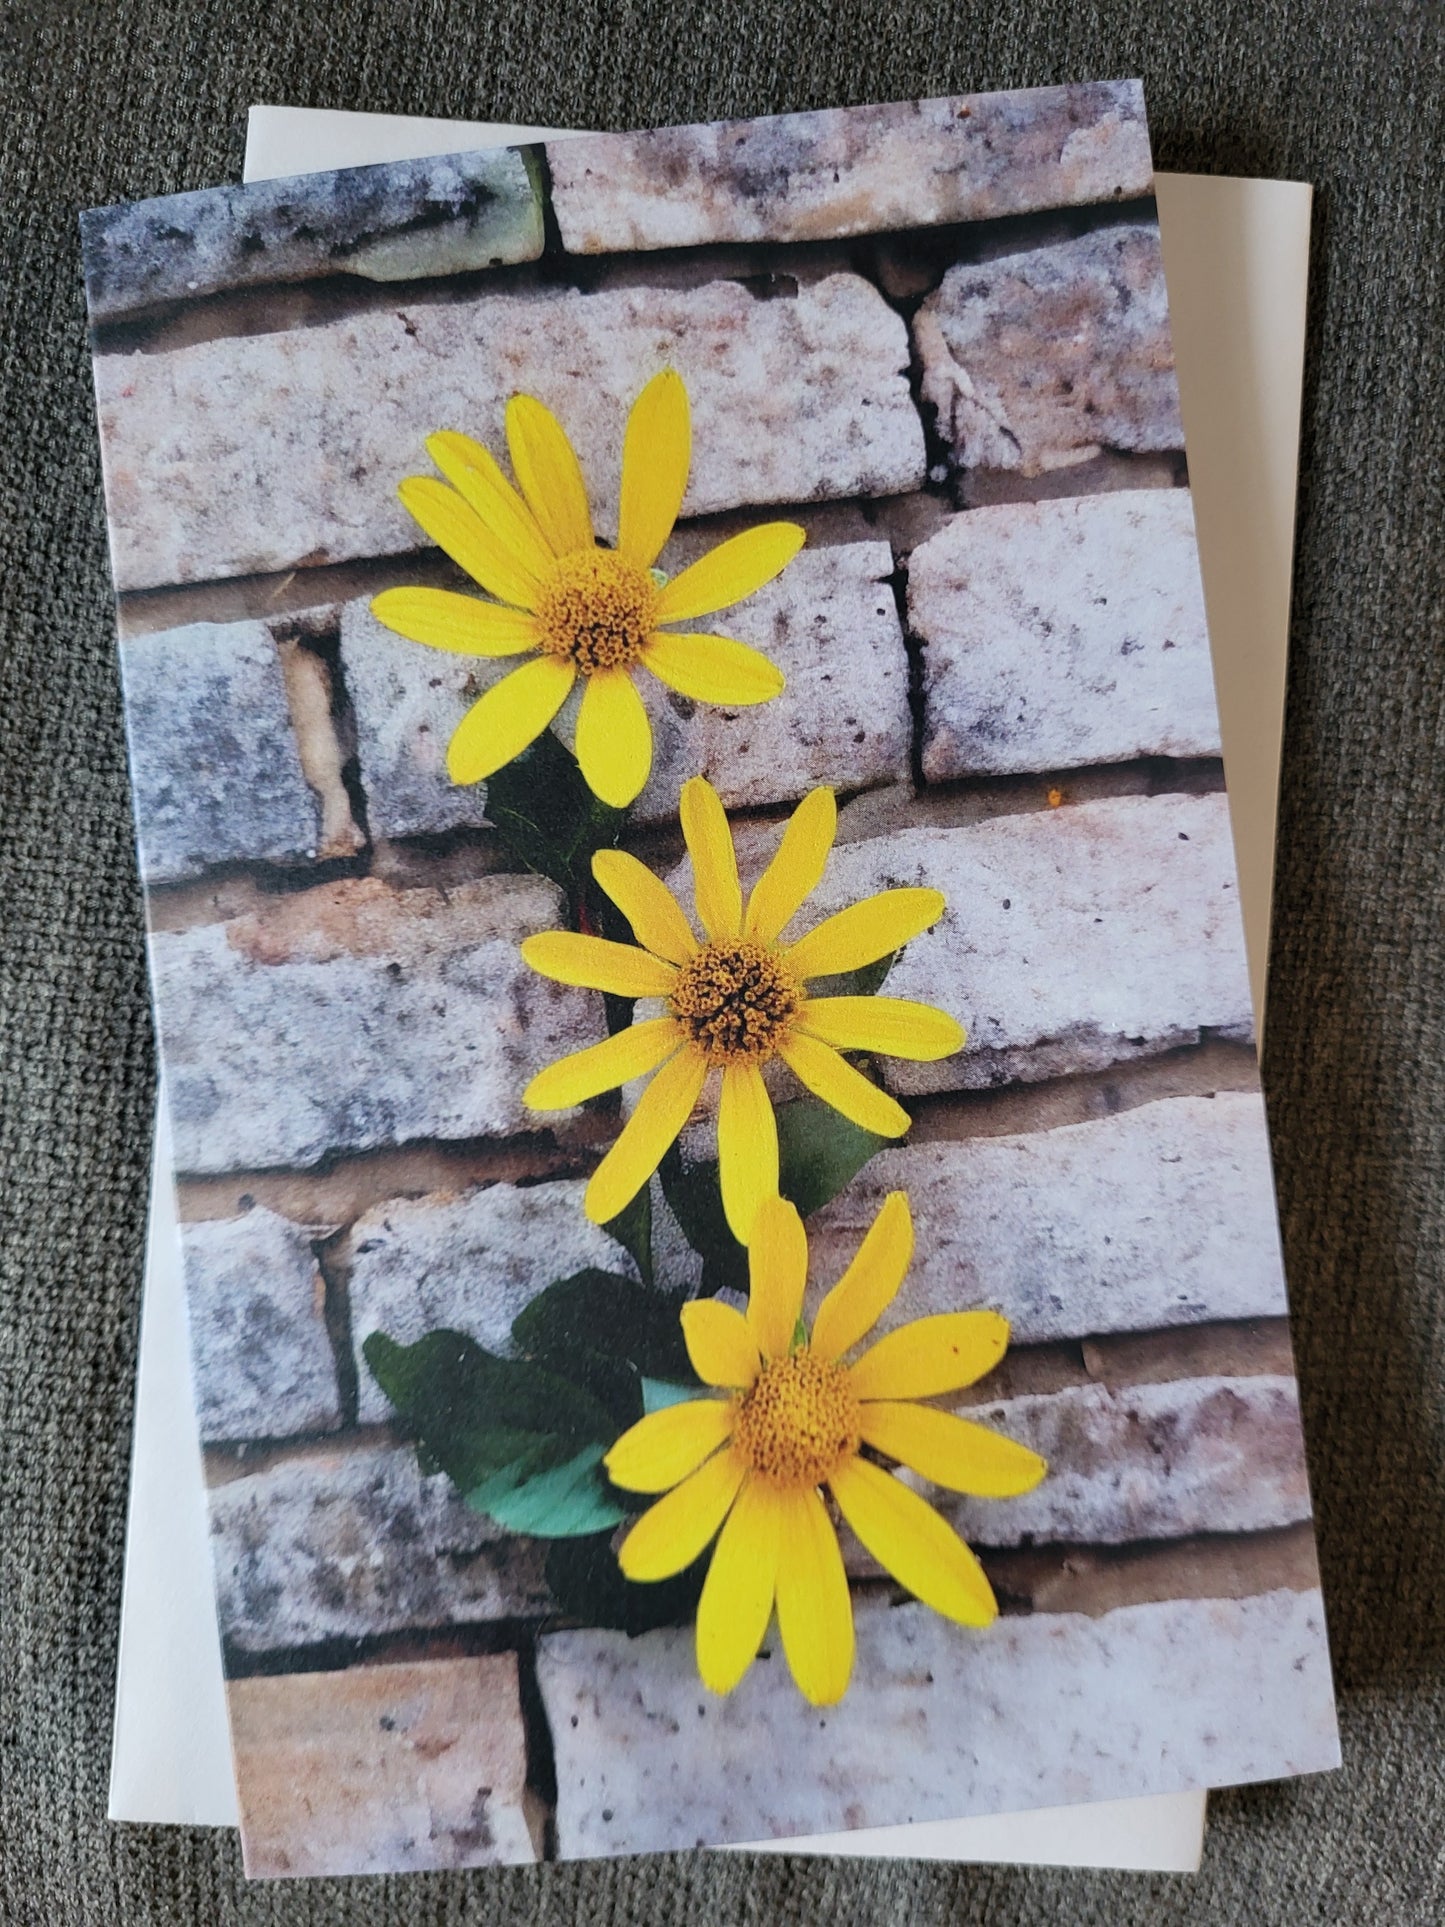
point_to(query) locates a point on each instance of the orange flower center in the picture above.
(735, 1000)
(799, 1422)
(598, 608)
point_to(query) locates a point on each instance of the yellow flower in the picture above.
(735, 1001)
(748, 1467)
(579, 609)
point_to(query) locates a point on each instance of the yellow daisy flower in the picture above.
(748, 1468)
(735, 1000)
(576, 608)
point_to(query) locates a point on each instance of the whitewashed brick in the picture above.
(271, 451)
(354, 1016)
(1039, 360)
(348, 1541)
(215, 771)
(468, 1264)
(852, 170)
(1160, 1216)
(262, 1363)
(939, 1722)
(1062, 633)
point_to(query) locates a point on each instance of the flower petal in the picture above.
(662, 1449)
(892, 1025)
(720, 1343)
(592, 963)
(547, 471)
(715, 887)
(931, 1356)
(730, 572)
(910, 1540)
(602, 1067)
(747, 1147)
(865, 931)
(796, 869)
(737, 1595)
(661, 1112)
(951, 1451)
(475, 475)
(870, 1284)
(656, 455)
(713, 669)
(511, 714)
(463, 624)
(831, 1077)
(815, 1614)
(671, 1534)
(460, 533)
(649, 906)
(777, 1273)
(614, 738)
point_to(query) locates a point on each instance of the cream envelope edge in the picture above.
(1236, 259)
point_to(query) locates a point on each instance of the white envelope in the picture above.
(1236, 257)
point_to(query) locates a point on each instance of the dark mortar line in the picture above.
(539, 171)
(1109, 1345)
(323, 640)
(474, 1639)
(537, 1743)
(337, 1314)
(542, 1141)
(1017, 1571)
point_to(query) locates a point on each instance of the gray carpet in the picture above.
(106, 102)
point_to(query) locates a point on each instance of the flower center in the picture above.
(735, 1000)
(598, 608)
(799, 1421)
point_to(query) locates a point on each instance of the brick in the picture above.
(215, 771)
(382, 1769)
(348, 1541)
(1160, 1216)
(795, 399)
(261, 1360)
(445, 215)
(939, 1722)
(1063, 633)
(355, 1016)
(852, 170)
(468, 1263)
(1041, 360)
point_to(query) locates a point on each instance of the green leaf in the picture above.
(695, 1199)
(548, 818)
(598, 1311)
(558, 1502)
(632, 1228)
(820, 1152)
(866, 981)
(659, 1393)
(587, 1583)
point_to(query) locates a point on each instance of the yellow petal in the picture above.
(870, 1284)
(951, 1451)
(715, 886)
(511, 714)
(747, 1147)
(602, 1067)
(737, 1595)
(592, 963)
(550, 478)
(815, 1614)
(656, 455)
(931, 1356)
(663, 1448)
(614, 738)
(827, 1075)
(661, 1112)
(460, 533)
(796, 869)
(475, 475)
(865, 931)
(910, 1540)
(777, 1273)
(649, 906)
(892, 1025)
(463, 624)
(730, 572)
(720, 1344)
(671, 1534)
(713, 669)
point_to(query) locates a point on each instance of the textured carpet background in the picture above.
(104, 103)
